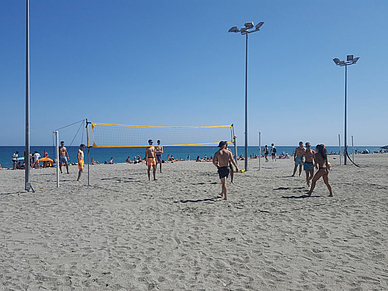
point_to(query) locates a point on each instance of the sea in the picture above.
(179, 152)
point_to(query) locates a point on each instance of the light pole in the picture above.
(350, 60)
(245, 30)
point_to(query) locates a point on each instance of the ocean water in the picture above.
(120, 154)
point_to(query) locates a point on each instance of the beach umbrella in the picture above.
(45, 160)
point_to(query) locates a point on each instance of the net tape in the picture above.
(118, 135)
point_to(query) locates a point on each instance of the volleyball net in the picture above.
(105, 135)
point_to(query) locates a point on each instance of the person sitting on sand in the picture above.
(128, 160)
(111, 161)
(93, 162)
(323, 166)
(221, 160)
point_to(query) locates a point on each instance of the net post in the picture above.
(57, 156)
(87, 137)
(339, 146)
(259, 150)
(235, 148)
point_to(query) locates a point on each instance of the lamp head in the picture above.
(248, 25)
(244, 30)
(355, 60)
(336, 61)
(234, 29)
(349, 58)
(259, 25)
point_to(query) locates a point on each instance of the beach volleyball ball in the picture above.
(242, 170)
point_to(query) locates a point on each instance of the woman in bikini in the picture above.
(323, 166)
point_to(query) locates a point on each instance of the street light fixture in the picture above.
(350, 60)
(245, 30)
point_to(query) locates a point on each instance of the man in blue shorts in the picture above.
(159, 152)
(221, 160)
(298, 155)
(308, 165)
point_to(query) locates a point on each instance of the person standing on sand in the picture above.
(323, 166)
(159, 152)
(298, 155)
(81, 162)
(273, 152)
(308, 164)
(151, 159)
(15, 157)
(221, 160)
(266, 153)
(62, 157)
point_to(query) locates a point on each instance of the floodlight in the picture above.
(259, 25)
(336, 61)
(245, 30)
(355, 60)
(349, 58)
(248, 25)
(234, 29)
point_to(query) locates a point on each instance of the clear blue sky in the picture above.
(174, 63)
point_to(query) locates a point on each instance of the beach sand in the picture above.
(127, 233)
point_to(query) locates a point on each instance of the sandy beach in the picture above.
(124, 232)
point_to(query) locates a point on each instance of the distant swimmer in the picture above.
(298, 158)
(323, 166)
(81, 162)
(62, 157)
(150, 158)
(308, 164)
(159, 152)
(222, 159)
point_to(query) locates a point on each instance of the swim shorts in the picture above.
(223, 172)
(151, 162)
(63, 159)
(298, 161)
(81, 164)
(308, 167)
(159, 158)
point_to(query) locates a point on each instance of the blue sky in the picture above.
(174, 63)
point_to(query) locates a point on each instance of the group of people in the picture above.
(266, 151)
(19, 163)
(310, 159)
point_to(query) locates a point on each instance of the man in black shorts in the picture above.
(221, 160)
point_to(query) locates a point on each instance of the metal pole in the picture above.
(246, 102)
(27, 141)
(339, 145)
(57, 156)
(352, 148)
(259, 150)
(235, 149)
(346, 101)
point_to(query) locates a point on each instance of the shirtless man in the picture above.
(62, 157)
(80, 158)
(221, 160)
(308, 164)
(298, 154)
(159, 152)
(150, 159)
